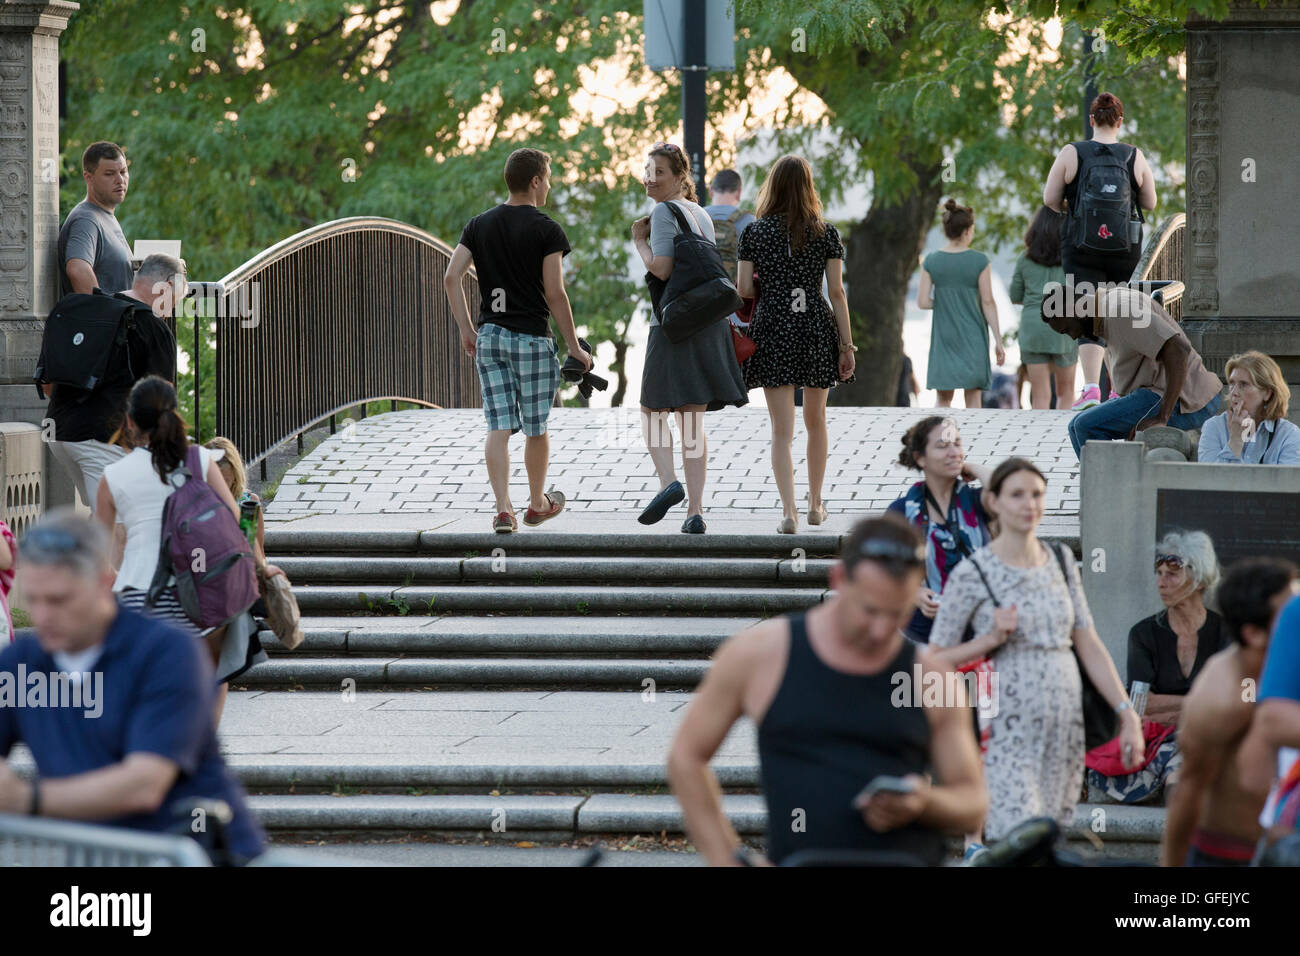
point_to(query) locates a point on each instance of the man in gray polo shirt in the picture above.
(93, 252)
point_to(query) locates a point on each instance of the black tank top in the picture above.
(824, 737)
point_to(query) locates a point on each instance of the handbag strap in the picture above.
(682, 223)
(1059, 550)
(992, 596)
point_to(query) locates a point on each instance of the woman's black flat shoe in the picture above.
(693, 525)
(671, 494)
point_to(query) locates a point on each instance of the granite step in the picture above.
(544, 672)
(560, 599)
(480, 634)
(514, 816)
(507, 569)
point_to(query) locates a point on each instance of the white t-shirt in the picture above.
(78, 664)
(139, 495)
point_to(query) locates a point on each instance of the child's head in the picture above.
(231, 465)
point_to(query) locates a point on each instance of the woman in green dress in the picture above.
(956, 283)
(1046, 354)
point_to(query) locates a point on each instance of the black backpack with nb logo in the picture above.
(83, 335)
(1104, 203)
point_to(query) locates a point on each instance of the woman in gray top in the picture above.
(691, 377)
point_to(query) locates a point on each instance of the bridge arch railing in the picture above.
(346, 312)
(1162, 260)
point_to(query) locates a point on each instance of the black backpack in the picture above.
(1104, 202)
(82, 335)
(699, 292)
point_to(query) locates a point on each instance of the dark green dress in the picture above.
(959, 336)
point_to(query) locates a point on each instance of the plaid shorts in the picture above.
(519, 374)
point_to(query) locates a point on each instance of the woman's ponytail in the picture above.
(152, 406)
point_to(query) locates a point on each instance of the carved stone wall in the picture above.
(1202, 247)
(29, 215)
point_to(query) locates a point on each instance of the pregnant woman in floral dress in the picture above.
(1029, 613)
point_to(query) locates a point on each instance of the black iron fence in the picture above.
(347, 312)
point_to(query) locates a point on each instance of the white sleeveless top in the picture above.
(139, 495)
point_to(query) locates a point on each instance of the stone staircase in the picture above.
(412, 636)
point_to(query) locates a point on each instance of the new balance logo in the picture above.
(1109, 188)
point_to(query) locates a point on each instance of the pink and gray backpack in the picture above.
(202, 544)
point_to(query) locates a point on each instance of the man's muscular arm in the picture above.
(1212, 721)
(718, 704)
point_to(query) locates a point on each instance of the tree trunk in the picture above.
(619, 368)
(882, 253)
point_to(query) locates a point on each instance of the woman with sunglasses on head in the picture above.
(802, 340)
(1168, 649)
(1027, 605)
(944, 507)
(688, 378)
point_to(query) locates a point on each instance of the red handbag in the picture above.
(745, 346)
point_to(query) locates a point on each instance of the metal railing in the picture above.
(30, 841)
(344, 313)
(1162, 261)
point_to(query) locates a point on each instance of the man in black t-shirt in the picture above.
(516, 251)
(85, 422)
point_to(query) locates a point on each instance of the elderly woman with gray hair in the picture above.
(1168, 649)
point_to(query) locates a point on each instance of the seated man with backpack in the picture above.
(95, 348)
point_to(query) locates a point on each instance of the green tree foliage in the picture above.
(276, 116)
(954, 99)
(246, 123)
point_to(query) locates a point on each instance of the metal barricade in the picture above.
(30, 841)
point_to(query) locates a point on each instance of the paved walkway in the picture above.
(458, 727)
(418, 467)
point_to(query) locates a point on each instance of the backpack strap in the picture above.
(193, 462)
(736, 215)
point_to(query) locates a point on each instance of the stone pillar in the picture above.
(29, 203)
(1242, 247)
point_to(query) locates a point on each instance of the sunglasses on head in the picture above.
(50, 539)
(881, 549)
(1173, 560)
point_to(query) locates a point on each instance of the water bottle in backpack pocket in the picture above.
(203, 546)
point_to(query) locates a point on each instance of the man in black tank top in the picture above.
(836, 694)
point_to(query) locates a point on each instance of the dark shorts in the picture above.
(1211, 849)
(1096, 268)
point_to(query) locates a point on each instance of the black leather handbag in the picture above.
(699, 292)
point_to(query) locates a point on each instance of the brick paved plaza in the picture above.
(430, 462)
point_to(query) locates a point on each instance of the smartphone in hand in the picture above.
(882, 784)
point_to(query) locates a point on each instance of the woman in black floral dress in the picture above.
(803, 341)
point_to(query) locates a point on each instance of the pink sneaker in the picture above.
(1113, 394)
(1089, 397)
